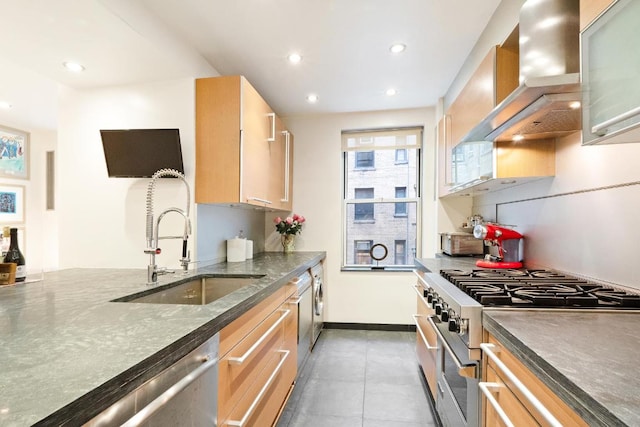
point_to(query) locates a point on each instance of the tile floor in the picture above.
(357, 378)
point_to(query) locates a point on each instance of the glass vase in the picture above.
(288, 241)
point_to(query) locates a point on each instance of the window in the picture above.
(400, 252)
(381, 204)
(401, 155)
(362, 251)
(365, 159)
(401, 208)
(364, 211)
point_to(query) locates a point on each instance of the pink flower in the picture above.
(301, 219)
(289, 220)
(296, 217)
(277, 220)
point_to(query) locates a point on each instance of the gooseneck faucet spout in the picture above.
(152, 230)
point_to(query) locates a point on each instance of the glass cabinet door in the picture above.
(611, 75)
(472, 161)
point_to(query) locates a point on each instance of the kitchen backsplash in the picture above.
(582, 221)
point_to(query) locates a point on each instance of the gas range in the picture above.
(458, 297)
(538, 289)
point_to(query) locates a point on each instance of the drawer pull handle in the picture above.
(156, 404)
(263, 390)
(424, 338)
(240, 360)
(486, 390)
(272, 122)
(420, 291)
(489, 349)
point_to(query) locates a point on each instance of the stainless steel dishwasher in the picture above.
(186, 393)
(305, 317)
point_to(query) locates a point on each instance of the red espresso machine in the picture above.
(508, 242)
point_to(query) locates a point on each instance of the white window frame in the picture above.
(365, 140)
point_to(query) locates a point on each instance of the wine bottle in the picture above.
(14, 255)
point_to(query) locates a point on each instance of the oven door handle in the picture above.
(424, 338)
(468, 371)
(490, 350)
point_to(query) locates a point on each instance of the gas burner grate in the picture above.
(537, 288)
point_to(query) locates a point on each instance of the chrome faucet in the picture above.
(153, 234)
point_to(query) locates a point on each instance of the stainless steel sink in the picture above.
(200, 291)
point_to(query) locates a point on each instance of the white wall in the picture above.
(569, 226)
(101, 219)
(359, 297)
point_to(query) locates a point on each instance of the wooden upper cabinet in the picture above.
(239, 148)
(590, 9)
(494, 79)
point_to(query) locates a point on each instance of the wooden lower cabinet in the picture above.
(258, 364)
(426, 338)
(516, 406)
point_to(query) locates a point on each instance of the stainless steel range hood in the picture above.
(544, 105)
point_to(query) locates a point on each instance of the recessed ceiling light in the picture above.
(312, 98)
(73, 66)
(5, 105)
(397, 48)
(517, 138)
(294, 58)
(574, 105)
(391, 92)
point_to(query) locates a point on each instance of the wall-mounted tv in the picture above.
(139, 153)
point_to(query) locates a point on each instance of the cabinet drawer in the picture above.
(291, 340)
(240, 328)
(426, 341)
(507, 401)
(238, 369)
(546, 396)
(261, 404)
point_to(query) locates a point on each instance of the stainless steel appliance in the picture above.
(460, 243)
(543, 106)
(305, 317)
(186, 393)
(317, 273)
(507, 241)
(610, 78)
(456, 321)
(457, 298)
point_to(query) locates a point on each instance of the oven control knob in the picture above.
(444, 316)
(429, 298)
(454, 326)
(435, 302)
(438, 308)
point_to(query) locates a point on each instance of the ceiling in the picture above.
(344, 45)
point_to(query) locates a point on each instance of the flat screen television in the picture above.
(139, 153)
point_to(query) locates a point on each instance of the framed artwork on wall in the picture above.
(14, 153)
(11, 204)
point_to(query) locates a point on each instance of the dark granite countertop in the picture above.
(67, 351)
(589, 359)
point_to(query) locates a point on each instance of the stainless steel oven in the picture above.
(455, 300)
(457, 372)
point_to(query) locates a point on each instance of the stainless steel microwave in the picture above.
(610, 67)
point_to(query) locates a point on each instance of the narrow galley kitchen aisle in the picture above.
(358, 378)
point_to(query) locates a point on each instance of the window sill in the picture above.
(374, 269)
(400, 215)
(364, 221)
